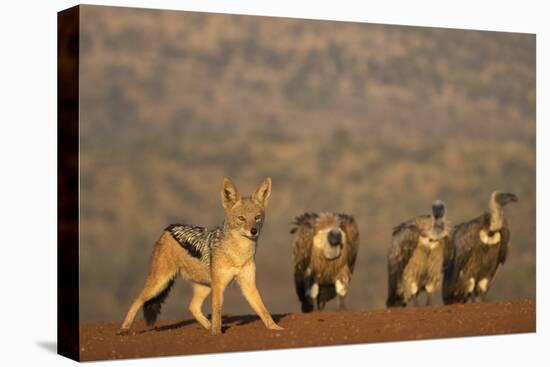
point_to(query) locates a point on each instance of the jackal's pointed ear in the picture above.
(230, 194)
(263, 192)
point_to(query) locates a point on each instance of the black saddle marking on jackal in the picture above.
(185, 234)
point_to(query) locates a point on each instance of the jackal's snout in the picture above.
(254, 231)
(250, 231)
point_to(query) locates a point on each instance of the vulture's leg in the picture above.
(429, 288)
(428, 299)
(341, 286)
(476, 296)
(482, 288)
(320, 305)
(479, 298)
(341, 303)
(483, 297)
(313, 294)
(411, 293)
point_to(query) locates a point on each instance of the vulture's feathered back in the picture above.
(310, 266)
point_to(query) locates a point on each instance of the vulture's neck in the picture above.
(438, 227)
(497, 216)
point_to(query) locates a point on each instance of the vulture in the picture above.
(324, 254)
(416, 256)
(479, 248)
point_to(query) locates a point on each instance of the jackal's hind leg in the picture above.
(156, 282)
(200, 293)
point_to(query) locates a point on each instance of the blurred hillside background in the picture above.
(371, 120)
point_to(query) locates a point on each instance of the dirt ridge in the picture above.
(247, 333)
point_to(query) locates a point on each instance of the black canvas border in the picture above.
(68, 44)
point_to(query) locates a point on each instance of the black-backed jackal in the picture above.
(210, 259)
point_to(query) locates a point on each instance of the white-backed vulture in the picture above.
(416, 255)
(479, 248)
(325, 250)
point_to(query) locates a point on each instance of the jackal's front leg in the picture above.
(247, 281)
(220, 279)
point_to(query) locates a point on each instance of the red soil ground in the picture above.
(242, 333)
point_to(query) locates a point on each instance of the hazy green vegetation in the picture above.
(371, 120)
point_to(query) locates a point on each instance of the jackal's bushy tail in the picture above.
(151, 308)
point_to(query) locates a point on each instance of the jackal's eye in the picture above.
(241, 218)
(258, 218)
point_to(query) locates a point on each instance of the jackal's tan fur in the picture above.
(226, 253)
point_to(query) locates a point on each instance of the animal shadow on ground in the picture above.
(247, 319)
(230, 321)
(177, 325)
